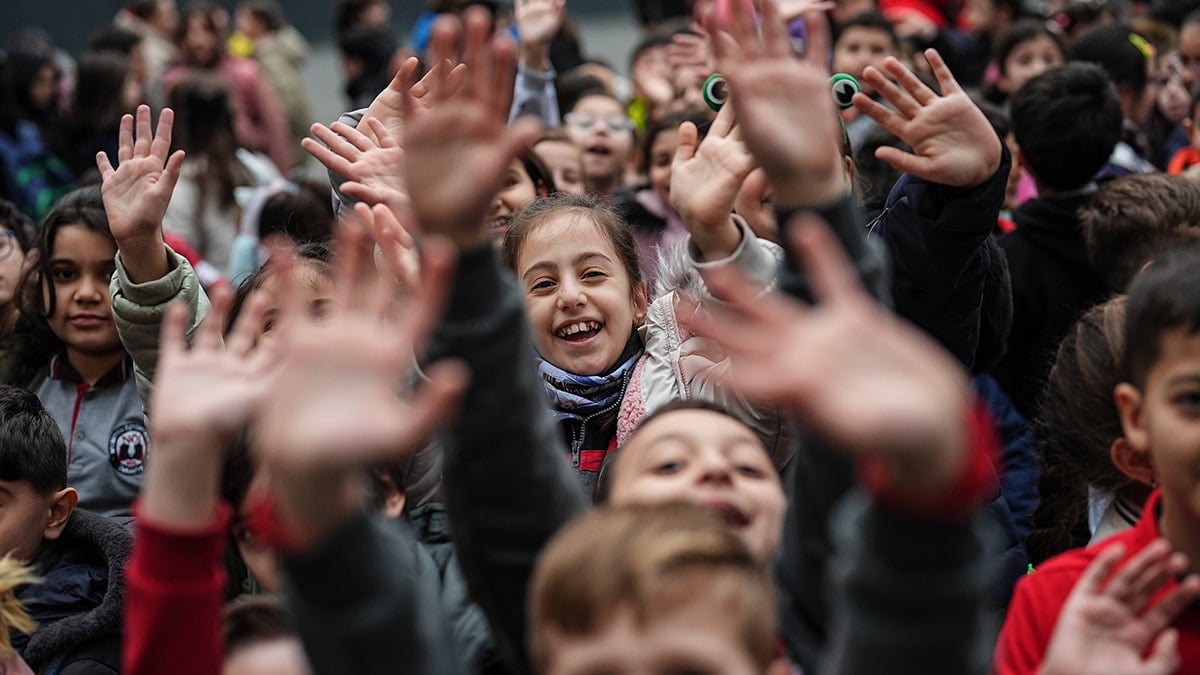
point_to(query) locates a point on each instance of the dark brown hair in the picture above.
(1076, 426)
(612, 226)
(1134, 219)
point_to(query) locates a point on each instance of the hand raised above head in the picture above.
(849, 369)
(782, 104)
(136, 193)
(952, 141)
(373, 165)
(390, 106)
(457, 158)
(706, 177)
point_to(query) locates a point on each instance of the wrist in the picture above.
(715, 240)
(799, 189)
(144, 257)
(182, 482)
(536, 55)
(315, 502)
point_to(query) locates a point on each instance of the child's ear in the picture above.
(641, 302)
(1129, 406)
(62, 505)
(1136, 465)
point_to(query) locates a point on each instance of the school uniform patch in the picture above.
(127, 448)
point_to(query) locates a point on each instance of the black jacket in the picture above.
(1053, 284)
(78, 604)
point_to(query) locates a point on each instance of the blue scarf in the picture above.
(574, 396)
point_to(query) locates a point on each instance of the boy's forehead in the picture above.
(1178, 357)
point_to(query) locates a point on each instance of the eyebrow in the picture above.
(1185, 378)
(576, 261)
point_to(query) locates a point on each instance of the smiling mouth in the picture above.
(578, 331)
(599, 150)
(732, 515)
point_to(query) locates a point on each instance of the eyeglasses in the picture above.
(8, 244)
(616, 124)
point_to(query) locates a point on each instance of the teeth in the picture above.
(580, 327)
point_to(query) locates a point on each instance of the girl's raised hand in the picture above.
(373, 165)
(202, 399)
(335, 405)
(705, 181)
(952, 142)
(389, 106)
(782, 104)
(457, 157)
(1105, 626)
(136, 193)
(850, 370)
(396, 253)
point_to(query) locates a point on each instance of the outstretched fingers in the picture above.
(685, 147)
(160, 147)
(911, 83)
(141, 144)
(208, 334)
(243, 335)
(941, 72)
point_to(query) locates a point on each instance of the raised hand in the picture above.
(389, 106)
(782, 105)
(202, 399)
(952, 142)
(688, 50)
(373, 165)
(458, 157)
(538, 21)
(705, 180)
(850, 370)
(753, 204)
(1105, 627)
(136, 194)
(335, 408)
(395, 249)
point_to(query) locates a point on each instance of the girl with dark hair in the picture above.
(105, 91)
(1090, 486)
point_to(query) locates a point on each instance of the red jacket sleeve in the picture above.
(175, 583)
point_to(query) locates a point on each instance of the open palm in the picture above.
(952, 141)
(136, 193)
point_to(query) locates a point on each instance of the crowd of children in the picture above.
(570, 374)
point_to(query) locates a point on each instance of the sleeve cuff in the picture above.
(975, 485)
(752, 254)
(157, 292)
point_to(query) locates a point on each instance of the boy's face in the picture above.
(1162, 420)
(690, 639)
(706, 458)
(26, 518)
(859, 47)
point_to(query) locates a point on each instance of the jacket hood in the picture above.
(83, 589)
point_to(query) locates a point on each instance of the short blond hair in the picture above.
(13, 575)
(651, 560)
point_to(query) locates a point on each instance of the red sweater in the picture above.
(1040, 596)
(174, 587)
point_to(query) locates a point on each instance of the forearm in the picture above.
(534, 94)
(182, 482)
(507, 484)
(174, 586)
(365, 601)
(138, 310)
(757, 258)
